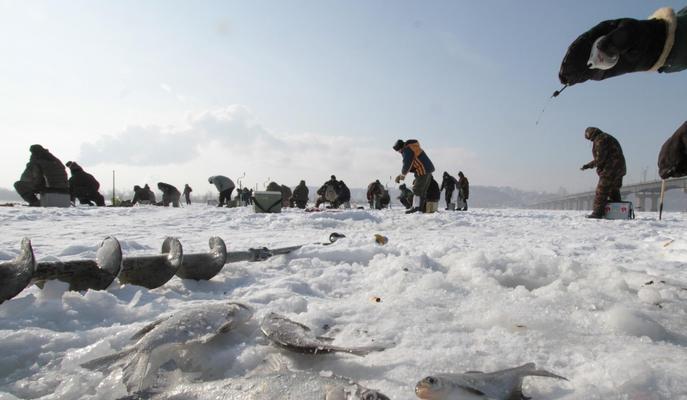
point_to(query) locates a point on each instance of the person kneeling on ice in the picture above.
(170, 194)
(83, 186)
(44, 173)
(415, 160)
(610, 166)
(328, 192)
(224, 186)
(406, 196)
(300, 195)
(343, 197)
(143, 195)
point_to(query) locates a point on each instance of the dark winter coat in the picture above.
(168, 190)
(187, 190)
(344, 193)
(433, 192)
(374, 188)
(81, 182)
(415, 160)
(273, 187)
(608, 156)
(463, 188)
(143, 194)
(330, 190)
(285, 195)
(672, 160)
(448, 183)
(44, 171)
(301, 192)
(406, 196)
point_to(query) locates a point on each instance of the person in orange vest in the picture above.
(415, 160)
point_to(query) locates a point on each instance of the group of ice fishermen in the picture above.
(45, 173)
(611, 48)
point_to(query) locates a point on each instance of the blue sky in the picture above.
(177, 91)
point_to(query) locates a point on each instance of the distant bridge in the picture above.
(642, 191)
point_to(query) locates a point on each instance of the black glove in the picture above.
(638, 43)
(672, 160)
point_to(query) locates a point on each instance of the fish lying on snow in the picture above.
(499, 385)
(278, 383)
(299, 338)
(195, 325)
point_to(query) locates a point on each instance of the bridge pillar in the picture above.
(642, 201)
(654, 203)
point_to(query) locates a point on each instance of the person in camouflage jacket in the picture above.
(609, 162)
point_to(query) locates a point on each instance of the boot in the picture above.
(413, 210)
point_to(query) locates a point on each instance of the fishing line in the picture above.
(555, 94)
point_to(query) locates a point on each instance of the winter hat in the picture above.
(460, 173)
(590, 132)
(36, 148)
(399, 145)
(332, 177)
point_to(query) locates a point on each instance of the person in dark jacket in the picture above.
(286, 195)
(672, 160)
(375, 190)
(431, 201)
(610, 166)
(143, 195)
(628, 45)
(406, 196)
(343, 196)
(463, 190)
(224, 186)
(415, 160)
(43, 173)
(187, 194)
(170, 194)
(83, 186)
(328, 192)
(448, 183)
(377, 195)
(300, 195)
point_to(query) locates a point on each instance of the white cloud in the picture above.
(230, 141)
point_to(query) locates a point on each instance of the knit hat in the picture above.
(399, 145)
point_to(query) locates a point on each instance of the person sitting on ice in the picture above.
(343, 196)
(83, 186)
(300, 195)
(170, 194)
(224, 186)
(44, 173)
(406, 196)
(328, 192)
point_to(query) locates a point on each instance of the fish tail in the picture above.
(531, 370)
(103, 363)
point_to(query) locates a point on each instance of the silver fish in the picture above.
(297, 337)
(196, 325)
(283, 385)
(499, 385)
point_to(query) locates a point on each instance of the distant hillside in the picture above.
(9, 195)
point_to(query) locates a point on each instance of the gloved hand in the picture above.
(584, 167)
(638, 43)
(400, 178)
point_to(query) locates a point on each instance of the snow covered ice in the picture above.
(602, 303)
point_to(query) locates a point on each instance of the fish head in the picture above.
(432, 388)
